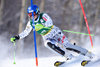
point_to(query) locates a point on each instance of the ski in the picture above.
(58, 63)
(89, 62)
(85, 62)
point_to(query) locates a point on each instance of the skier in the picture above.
(52, 35)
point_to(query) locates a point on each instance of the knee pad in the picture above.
(56, 48)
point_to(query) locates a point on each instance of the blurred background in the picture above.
(66, 14)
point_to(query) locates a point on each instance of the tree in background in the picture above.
(21, 27)
(1, 10)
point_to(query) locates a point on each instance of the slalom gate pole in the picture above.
(77, 32)
(86, 22)
(34, 34)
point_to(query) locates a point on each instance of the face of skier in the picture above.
(30, 15)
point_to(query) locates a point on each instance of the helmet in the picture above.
(34, 8)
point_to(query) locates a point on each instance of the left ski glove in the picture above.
(14, 38)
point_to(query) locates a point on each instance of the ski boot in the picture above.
(90, 55)
(58, 63)
(85, 62)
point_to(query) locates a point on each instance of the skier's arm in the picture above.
(48, 20)
(26, 31)
(23, 34)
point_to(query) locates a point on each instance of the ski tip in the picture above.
(58, 63)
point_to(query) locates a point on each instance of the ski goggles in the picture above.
(30, 14)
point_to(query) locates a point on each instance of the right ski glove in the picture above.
(14, 38)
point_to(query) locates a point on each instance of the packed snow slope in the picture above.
(6, 57)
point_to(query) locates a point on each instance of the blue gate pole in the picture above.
(34, 34)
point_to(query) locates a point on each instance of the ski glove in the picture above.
(14, 38)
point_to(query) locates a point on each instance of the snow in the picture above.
(44, 62)
(6, 59)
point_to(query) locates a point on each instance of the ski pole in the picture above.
(14, 53)
(34, 35)
(86, 22)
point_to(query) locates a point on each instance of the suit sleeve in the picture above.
(26, 31)
(48, 20)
